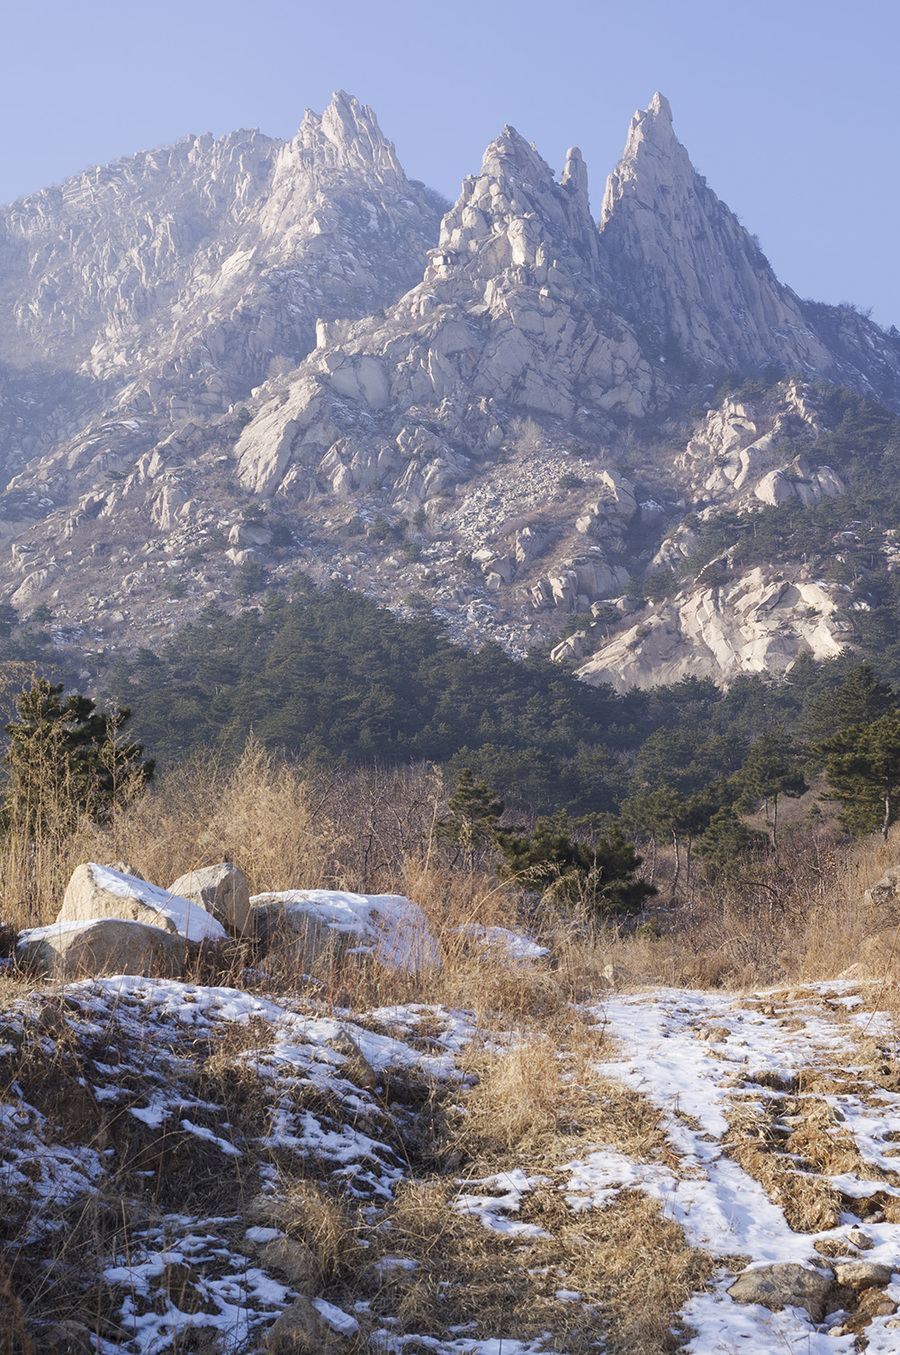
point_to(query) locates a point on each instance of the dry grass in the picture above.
(760, 1147)
(544, 1094)
(324, 1224)
(797, 921)
(266, 815)
(534, 1104)
(793, 1142)
(262, 813)
(374, 832)
(630, 1267)
(535, 1094)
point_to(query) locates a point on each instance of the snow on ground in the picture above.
(511, 945)
(317, 1122)
(492, 1210)
(695, 1055)
(687, 1051)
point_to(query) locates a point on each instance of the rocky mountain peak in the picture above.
(660, 108)
(651, 138)
(511, 156)
(347, 136)
(443, 409)
(686, 265)
(516, 199)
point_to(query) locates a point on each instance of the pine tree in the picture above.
(770, 771)
(861, 698)
(862, 767)
(665, 812)
(66, 758)
(726, 843)
(601, 877)
(473, 817)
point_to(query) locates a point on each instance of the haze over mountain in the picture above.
(232, 359)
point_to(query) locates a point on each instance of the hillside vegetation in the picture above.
(519, 1155)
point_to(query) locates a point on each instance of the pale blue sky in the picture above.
(789, 107)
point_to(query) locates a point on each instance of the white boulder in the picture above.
(106, 945)
(222, 891)
(322, 924)
(96, 891)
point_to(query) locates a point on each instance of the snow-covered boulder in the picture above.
(510, 945)
(96, 891)
(321, 924)
(107, 945)
(220, 890)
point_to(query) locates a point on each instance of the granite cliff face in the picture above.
(167, 285)
(728, 614)
(698, 283)
(232, 359)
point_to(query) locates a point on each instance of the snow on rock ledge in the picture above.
(389, 928)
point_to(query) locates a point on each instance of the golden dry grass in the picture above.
(535, 1093)
(629, 1266)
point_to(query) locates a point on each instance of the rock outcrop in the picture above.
(96, 891)
(170, 282)
(682, 263)
(757, 621)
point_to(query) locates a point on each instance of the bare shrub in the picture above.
(265, 814)
(770, 922)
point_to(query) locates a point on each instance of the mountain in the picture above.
(696, 283)
(233, 360)
(167, 285)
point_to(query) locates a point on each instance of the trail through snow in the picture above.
(695, 1055)
(688, 1052)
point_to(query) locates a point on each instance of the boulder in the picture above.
(96, 891)
(883, 899)
(617, 976)
(785, 1286)
(882, 916)
(304, 942)
(123, 868)
(106, 945)
(312, 928)
(221, 891)
(311, 1326)
(860, 1275)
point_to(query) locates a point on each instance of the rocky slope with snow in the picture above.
(207, 1165)
(234, 359)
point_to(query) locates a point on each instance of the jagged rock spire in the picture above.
(574, 175)
(347, 136)
(684, 263)
(652, 151)
(516, 198)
